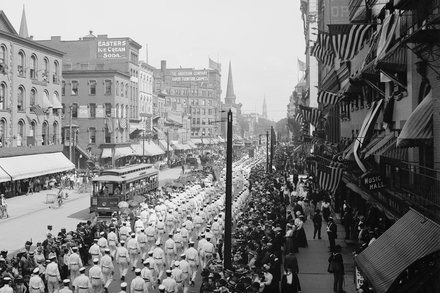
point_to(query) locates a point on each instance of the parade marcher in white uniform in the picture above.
(176, 274)
(82, 282)
(185, 267)
(65, 289)
(208, 250)
(74, 264)
(122, 259)
(143, 244)
(102, 243)
(169, 222)
(133, 250)
(138, 284)
(124, 232)
(107, 269)
(159, 259)
(52, 274)
(36, 284)
(112, 242)
(170, 250)
(147, 275)
(169, 283)
(95, 276)
(94, 250)
(150, 231)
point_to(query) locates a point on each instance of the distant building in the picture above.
(192, 100)
(264, 108)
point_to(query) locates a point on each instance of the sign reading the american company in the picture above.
(112, 49)
(372, 181)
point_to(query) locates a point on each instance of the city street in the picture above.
(30, 215)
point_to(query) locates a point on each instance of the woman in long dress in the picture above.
(300, 233)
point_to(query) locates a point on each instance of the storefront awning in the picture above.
(163, 144)
(56, 104)
(197, 140)
(147, 148)
(22, 167)
(123, 152)
(106, 153)
(382, 143)
(4, 177)
(412, 237)
(418, 127)
(191, 144)
(178, 147)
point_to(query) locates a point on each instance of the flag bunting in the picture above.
(323, 50)
(329, 178)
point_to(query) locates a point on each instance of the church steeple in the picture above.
(230, 95)
(23, 26)
(264, 108)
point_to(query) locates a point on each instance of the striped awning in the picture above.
(393, 152)
(383, 142)
(418, 127)
(411, 238)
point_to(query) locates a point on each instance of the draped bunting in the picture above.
(348, 39)
(386, 36)
(298, 117)
(327, 98)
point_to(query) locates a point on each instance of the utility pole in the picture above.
(143, 142)
(228, 198)
(168, 148)
(267, 151)
(70, 134)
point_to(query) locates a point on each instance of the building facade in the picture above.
(192, 99)
(101, 82)
(30, 90)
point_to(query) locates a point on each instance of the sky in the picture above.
(261, 38)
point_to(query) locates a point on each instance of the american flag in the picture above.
(323, 50)
(327, 98)
(311, 115)
(347, 39)
(37, 110)
(329, 178)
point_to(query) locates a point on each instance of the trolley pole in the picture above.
(168, 148)
(267, 151)
(228, 199)
(70, 134)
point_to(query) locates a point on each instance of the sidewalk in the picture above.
(313, 261)
(23, 205)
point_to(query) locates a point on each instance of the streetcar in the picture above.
(122, 184)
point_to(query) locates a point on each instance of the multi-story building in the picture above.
(192, 99)
(101, 90)
(146, 83)
(30, 109)
(378, 83)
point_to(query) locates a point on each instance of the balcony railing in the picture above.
(421, 185)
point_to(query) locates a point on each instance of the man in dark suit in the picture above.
(291, 262)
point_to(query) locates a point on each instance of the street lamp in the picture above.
(228, 197)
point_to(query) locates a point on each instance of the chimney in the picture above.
(163, 66)
(55, 38)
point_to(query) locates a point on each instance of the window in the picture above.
(194, 111)
(203, 102)
(209, 111)
(210, 102)
(74, 110)
(75, 85)
(107, 135)
(108, 87)
(21, 64)
(3, 96)
(203, 111)
(33, 70)
(198, 121)
(55, 136)
(92, 135)
(92, 87)
(20, 98)
(126, 90)
(20, 133)
(63, 88)
(2, 132)
(63, 109)
(46, 70)
(198, 111)
(92, 109)
(2, 54)
(122, 89)
(134, 57)
(56, 72)
(32, 98)
(108, 110)
(45, 133)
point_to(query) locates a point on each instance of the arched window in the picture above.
(33, 98)
(117, 111)
(63, 109)
(56, 71)
(21, 64)
(56, 133)
(33, 131)
(74, 110)
(2, 55)
(46, 69)
(3, 92)
(3, 129)
(45, 133)
(34, 65)
(20, 98)
(117, 88)
(20, 133)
